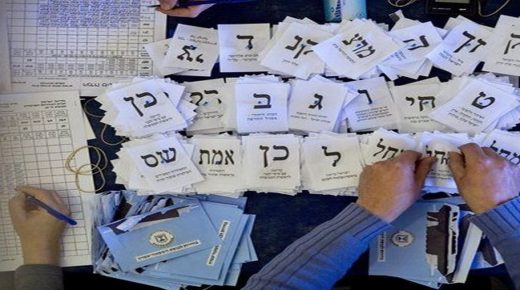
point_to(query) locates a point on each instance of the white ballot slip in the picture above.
(504, 143)
(438, 145)
(414, 103)
(262, 107)
(157, 51)
(314, 106)
(149, 105)
(473, 109)
(410, 61)
(331, 163)
(240, 45)
(293, 54)
(192, 47)
(373, 108)
(463, 49)
(383, 144)
(165, 164)
(357, 49)
(219, 160)
(505, 44)
(208, 97)
(273, 163)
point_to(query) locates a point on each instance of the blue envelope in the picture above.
(209, 266)
(150, 238)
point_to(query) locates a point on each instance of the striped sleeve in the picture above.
(38, 277)
(323, 256)
(502, 226)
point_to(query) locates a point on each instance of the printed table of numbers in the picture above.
(80, 44)
(34, 146)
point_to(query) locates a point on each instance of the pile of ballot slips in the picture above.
(192, 51)
(355, 49)
(322, 163)
(169, 163)
(329, 164)
(171, 242)
(159, 164)
(440, 237)
(145, 106)
(268, 104)
(211, 99)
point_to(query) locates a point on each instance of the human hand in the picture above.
(39, 232)
(168, 7)
(388, 188)
(484, 179)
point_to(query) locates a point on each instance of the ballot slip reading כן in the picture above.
(38, 131)
(58, 45)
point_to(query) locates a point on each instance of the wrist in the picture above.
(41, 254)
(385, 215)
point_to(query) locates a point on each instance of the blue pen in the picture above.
(50, 210)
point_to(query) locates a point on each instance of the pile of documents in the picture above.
(291, 50)
(356, 49)
(159, 164)
(411, 60)
(193, 51)
(331, 164)
(171, 242)
(143, 107)
(273, 163)
(443, 242)
(219, 160)
(210, 98)
(478, 105)
(322, 163)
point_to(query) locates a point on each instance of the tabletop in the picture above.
(281, 219)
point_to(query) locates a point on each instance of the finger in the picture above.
(491, 153)
(167, 4)
(189, 12)
(41, 194)
(422, 169)
(456, 164)
(17, 208)
(472, 153)
(409, 156)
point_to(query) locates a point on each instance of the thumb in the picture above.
(422, 169)
(167, 4)
(17, 207)
(456, 164)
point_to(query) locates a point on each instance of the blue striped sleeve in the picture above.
(502, 226)
(323, 256)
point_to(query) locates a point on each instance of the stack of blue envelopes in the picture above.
(169, 241)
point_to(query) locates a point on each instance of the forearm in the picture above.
(502, 226)
(323, 256)
(38, 277)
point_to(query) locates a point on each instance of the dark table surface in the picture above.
(281, 219)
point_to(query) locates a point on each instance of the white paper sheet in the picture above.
(77, 50)
(262, 107)
(37, 133)
(240, 45)
(505, 44)
(475, 108)
(5, 66)
(194, 48)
